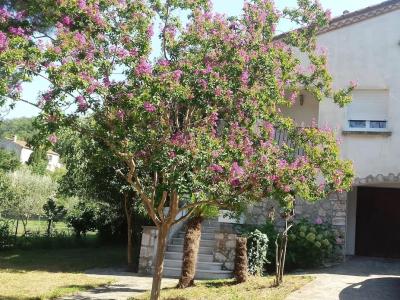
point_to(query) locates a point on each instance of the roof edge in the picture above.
(361, 15)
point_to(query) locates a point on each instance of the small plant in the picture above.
(53, 212)
(257, 249)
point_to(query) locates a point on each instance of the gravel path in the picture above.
(357, 279)
(126, 285)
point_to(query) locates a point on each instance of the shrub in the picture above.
(6, 239)
(310, 244)
(257, 249)
(82, 218)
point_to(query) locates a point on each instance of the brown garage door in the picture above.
(378, 222)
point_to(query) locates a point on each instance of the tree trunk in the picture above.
(159, 262)
(24, 224)
(129, 221)
(49, 221)
(281, 249)
(190, 250)
(16, 228)
(241, 264)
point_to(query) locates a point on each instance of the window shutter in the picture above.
(368, 105)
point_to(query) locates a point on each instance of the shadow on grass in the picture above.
(61, 260)
(219, 284)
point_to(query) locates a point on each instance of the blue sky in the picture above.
(229, 7)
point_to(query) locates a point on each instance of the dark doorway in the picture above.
(378, 222)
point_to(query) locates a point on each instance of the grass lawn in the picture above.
(46, 274)
(254, 289)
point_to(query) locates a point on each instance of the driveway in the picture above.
(359, 278)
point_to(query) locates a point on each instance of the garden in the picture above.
(165, 137)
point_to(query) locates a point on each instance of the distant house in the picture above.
(23, 152)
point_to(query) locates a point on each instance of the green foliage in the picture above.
(310, 244)
(257, 249)
(53, 212)
(21, 127)
(93, 173)
(82, 217)
(58, 240)
(38, 161)
(8, 161)
(6, 239)
(28, 193)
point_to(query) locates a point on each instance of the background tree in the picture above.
(8, 161)
(29, 193)
(53, 212)
(94, 173)
(21, 127)
(38, 161)
(195, 127)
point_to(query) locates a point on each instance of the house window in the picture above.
(377, 124)
(357, 124)
(368, 110)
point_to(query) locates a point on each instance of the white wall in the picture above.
(351, 222)
(54, 162)
(305, 114)
(25, 154)
(11, 146)
(368, 53)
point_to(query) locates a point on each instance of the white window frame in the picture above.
(367, 121)
(368, 126)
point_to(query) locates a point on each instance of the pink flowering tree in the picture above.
(195, 126)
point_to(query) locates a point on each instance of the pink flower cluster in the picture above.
(149, 107)
(143, 68)
(3, 41)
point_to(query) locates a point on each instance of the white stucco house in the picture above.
(23, 152)
(362, 46)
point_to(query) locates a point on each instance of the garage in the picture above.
(378, 222)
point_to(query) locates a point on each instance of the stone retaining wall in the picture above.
(331, 210)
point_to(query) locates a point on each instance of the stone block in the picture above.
(232, 236)
(231, 244)
(339, 221)
(229, 266)
(219, 236)
(145, 239)
(218, 256)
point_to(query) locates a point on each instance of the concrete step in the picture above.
(209, 223)
(204, 235)
(209, 228)
(178, 256)
(204, 229)
(200, 274)
(177, 263)
(203, 242)
(179, 248)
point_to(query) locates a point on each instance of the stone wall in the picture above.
(148, 249)
(331, 210)
(225, 246)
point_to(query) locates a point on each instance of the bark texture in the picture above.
(129, 221)
(159, 263)
(190, 250)
(241, 264)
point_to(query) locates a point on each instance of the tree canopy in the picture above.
(195, 126)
